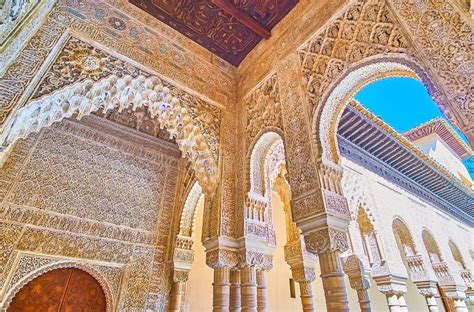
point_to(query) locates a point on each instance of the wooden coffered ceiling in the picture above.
(228, 28)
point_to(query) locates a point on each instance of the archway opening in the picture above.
(64, 289)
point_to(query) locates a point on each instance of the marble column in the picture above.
(248, 288)
(333, 281)
(431, 303)
(403, 303)
(392, 302)
(221, 289)
(176, 296)
(460, 305)
(364, 300)
(306, 292)
(235, 296)
(261, 291)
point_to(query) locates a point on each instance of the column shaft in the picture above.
(431, 303)
(392, 301)
(261, 291)
(235, 296)
(364, 301)
(306, 296)
(460, 305)
(221, 289)
(403, 303)
(176, 296)
(333, 281)
(248, 288)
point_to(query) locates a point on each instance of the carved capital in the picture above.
(391, 285)
(303, 274)
(222, 258)
(255, 258)
(325, 240)
(180, 276)
(355, 271)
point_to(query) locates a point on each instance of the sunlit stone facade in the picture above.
(180, 182)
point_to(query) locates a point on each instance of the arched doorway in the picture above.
(60, 290)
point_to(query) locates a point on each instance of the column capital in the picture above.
(427, 288)
(180, 276)
(303, 274)
(391, 285)
(259, 260)
(327, 240)
(356, 273)
(222, 252)
(393, 289)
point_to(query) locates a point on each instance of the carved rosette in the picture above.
(326, 240)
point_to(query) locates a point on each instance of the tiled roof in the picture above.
(445, 131)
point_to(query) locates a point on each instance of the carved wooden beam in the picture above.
(243, 18)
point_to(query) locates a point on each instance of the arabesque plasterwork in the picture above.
(100, 104)
(45, 225)
(96, 22)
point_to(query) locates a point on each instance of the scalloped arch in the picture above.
(457, 256)
(400, 229)
(431, 245)
(258, 156)
(83, 98)
(188, 215)
(326, 117)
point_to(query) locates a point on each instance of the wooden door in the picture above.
(60, 290)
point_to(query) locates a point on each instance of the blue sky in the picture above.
(403, 103)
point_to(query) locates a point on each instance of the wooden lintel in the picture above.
(243, 18)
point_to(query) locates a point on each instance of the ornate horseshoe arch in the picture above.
(83, 98)
(61, 265)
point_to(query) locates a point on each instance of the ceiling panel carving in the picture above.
(228, 28)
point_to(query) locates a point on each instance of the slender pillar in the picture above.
(460, 305)
(333, 281)
(248, 287)
(364, 301)
(431, 303)
(261, 291)
(393, 303)
(221, 289)
(403, 303)
(306, 296)
(235, 295)
(176, 296)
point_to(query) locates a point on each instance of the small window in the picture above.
(292, 288)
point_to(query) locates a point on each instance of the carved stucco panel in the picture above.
(301, 166)
(66, 16)
(442, 34)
